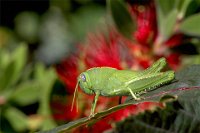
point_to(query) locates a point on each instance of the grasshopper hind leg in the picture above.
(155, 68)
(165, 78)
(149, 83)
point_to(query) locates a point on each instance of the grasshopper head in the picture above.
(85, 84)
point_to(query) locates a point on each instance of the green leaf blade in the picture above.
(17, 119)
(14, 68)
(27, 93)
(189, 25)
(122, 18)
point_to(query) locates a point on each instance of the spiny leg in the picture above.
(151, 82)
(162, 78)
(94, 103)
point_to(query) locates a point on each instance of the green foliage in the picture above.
(22, 96)
(17, 119)
(167, 17)
(27, 26)
(122, 18)
(85, 20)
(11, 66)
(21, 90)
(189, 25)
(169, 13)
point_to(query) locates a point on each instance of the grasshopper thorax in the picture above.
(85, 83)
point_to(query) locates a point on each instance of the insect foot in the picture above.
(138, 99)
(91, 115)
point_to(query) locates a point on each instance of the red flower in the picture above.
(68, 72)
(61, 108)
(175, 40)
(145, 15)
(63, 112)
(174, 60)
(145, 63)
(151, 46)
(103, 51)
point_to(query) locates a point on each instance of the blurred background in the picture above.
(46, 44)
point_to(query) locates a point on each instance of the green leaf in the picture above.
(122, 17)
(27, 93)
(85, 120)
(12, 72)
(87, 19)
(192, 7)
(174, 118)
(16, 118)
(47, 78)
(180, 116)
(165, 6)
(19, 57)
(169, 23)
(4, 59)
(183, 6)
(65, 6)
(6, 76)
(27, 26)
(190, 25)
(187, 84)
(168, 14)
(191, 59)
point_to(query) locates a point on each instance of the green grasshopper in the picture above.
(107, 81)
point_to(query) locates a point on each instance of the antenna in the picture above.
(74, 97)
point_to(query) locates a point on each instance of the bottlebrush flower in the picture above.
(63, 112)
(148, 37)
(145, 15)
(173, 60)
(175, 40)
(68, 72)
(102, 51)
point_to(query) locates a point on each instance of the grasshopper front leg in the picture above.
(94, 103)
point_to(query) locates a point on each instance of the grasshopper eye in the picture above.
(83, 78)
